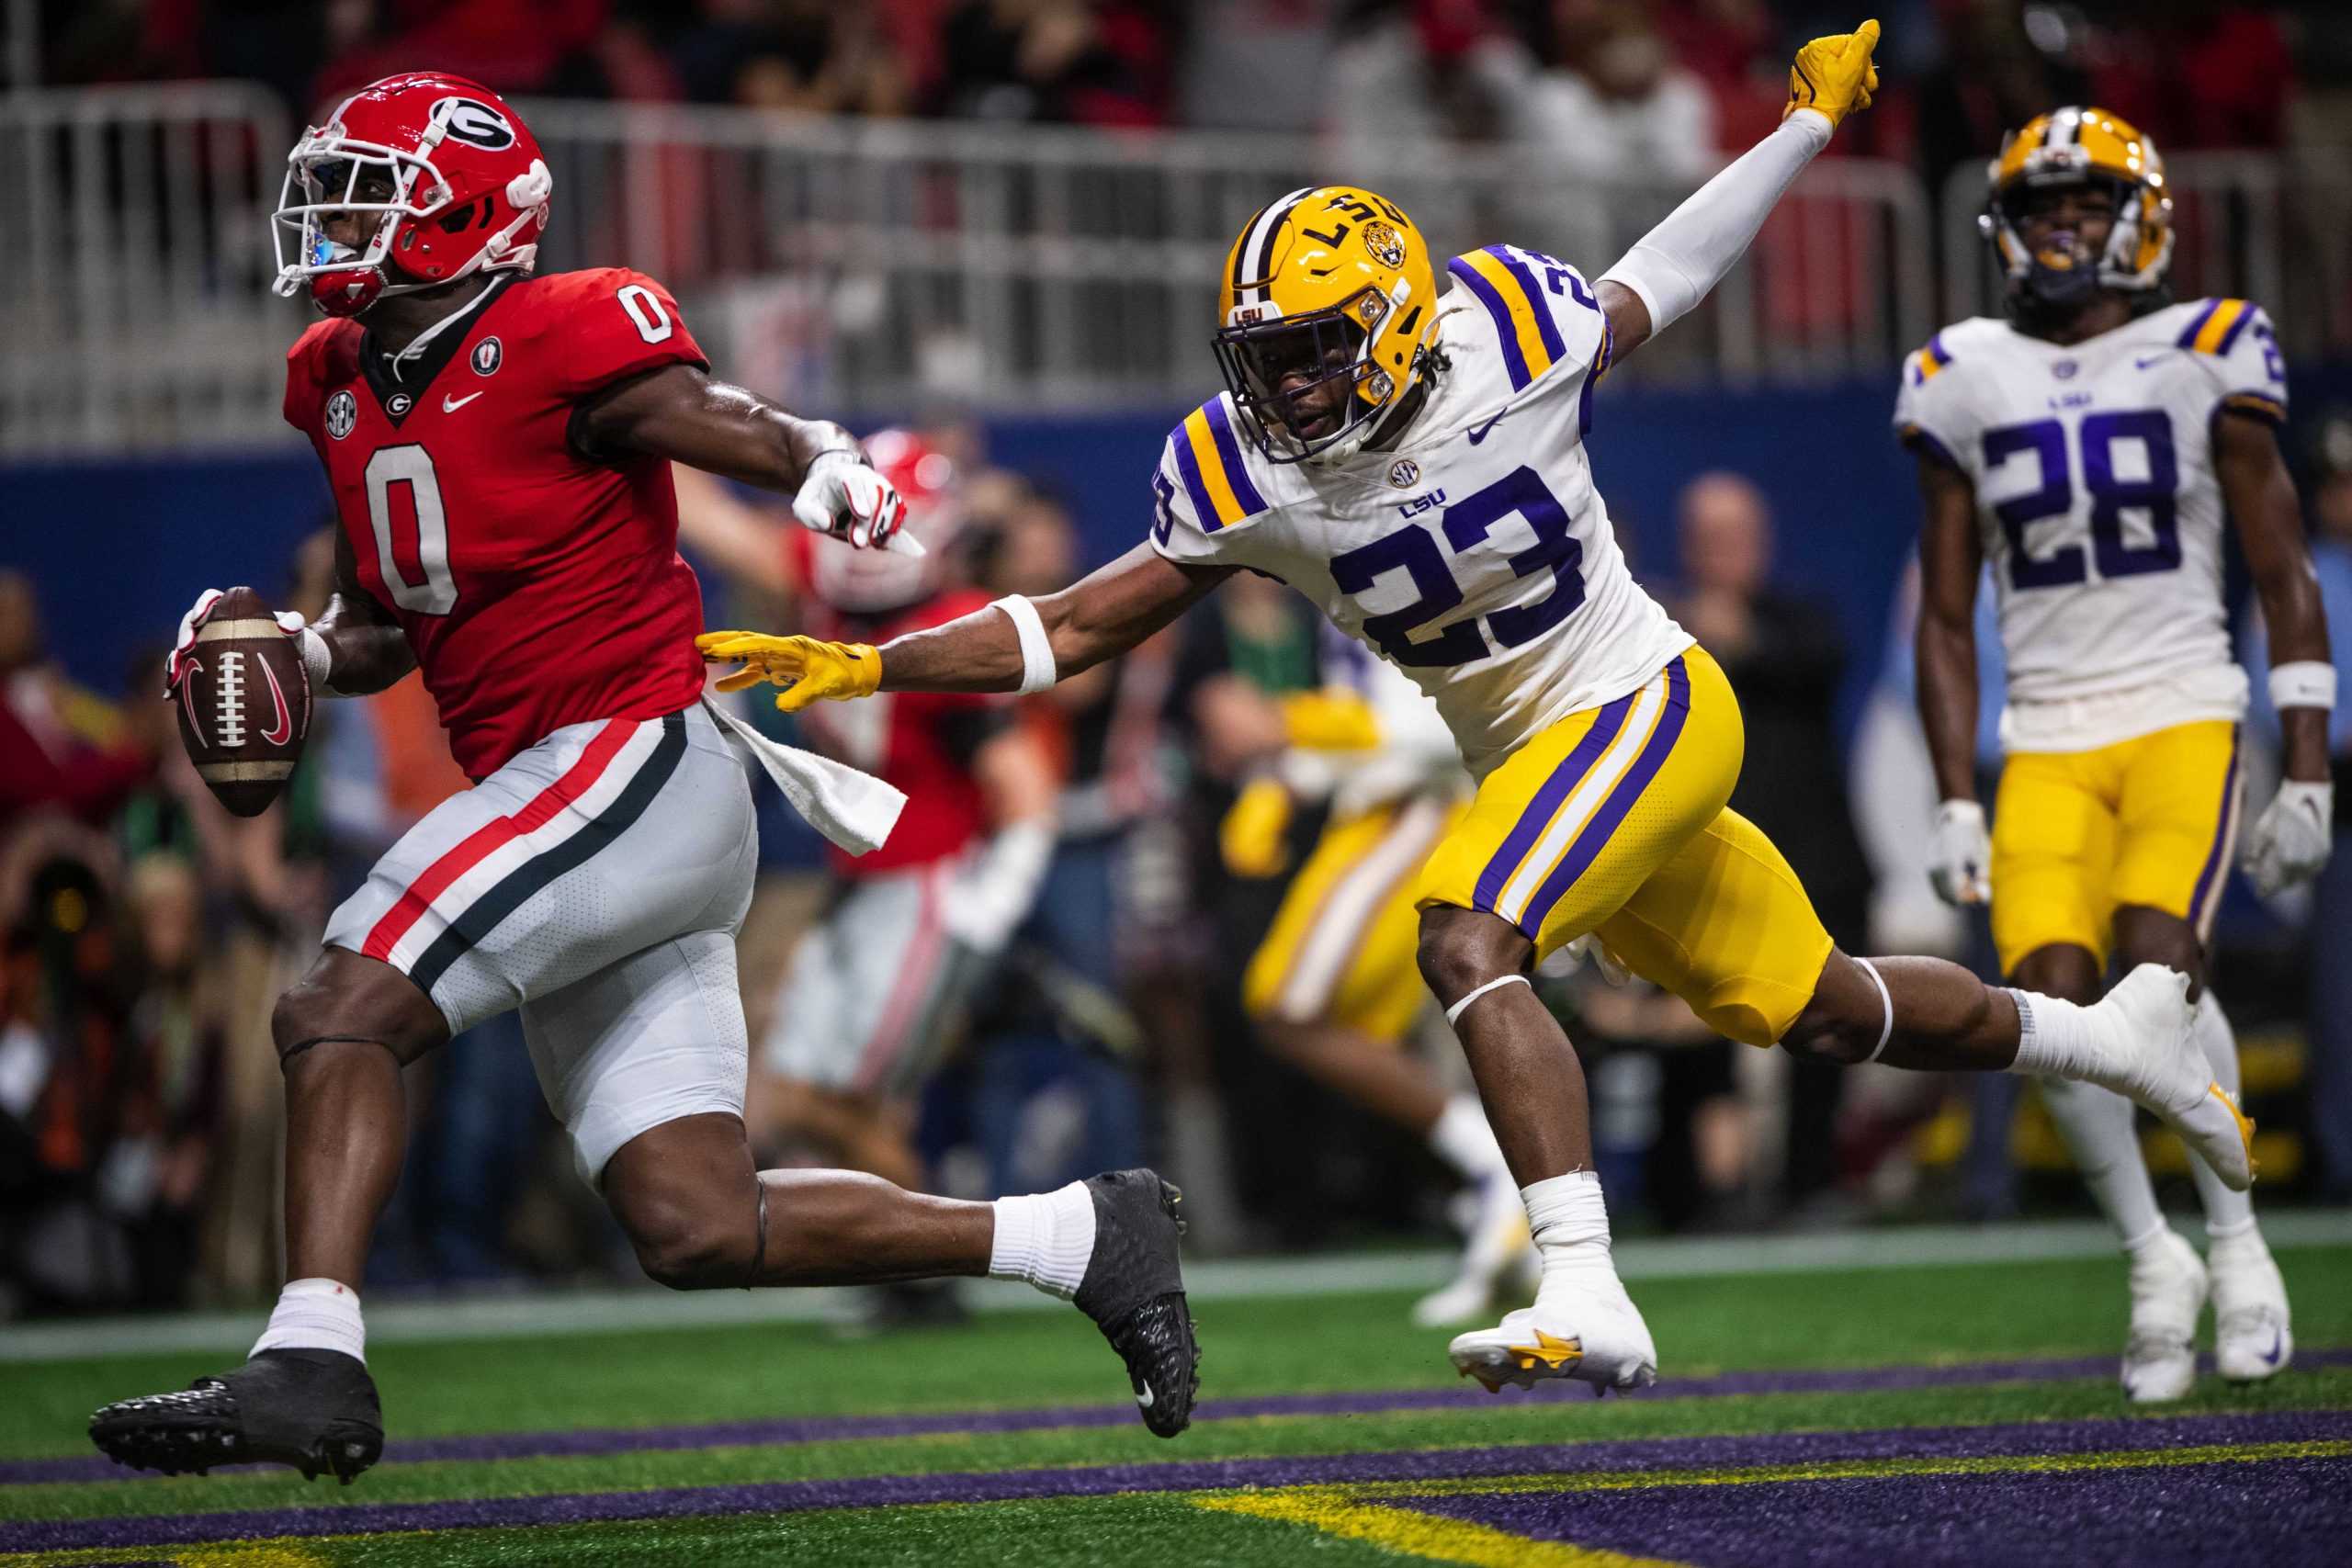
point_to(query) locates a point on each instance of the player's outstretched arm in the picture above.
(365, 650)
(2291, 840)
(1950, 559)
(1013, 645)
(1673, 266)
(681, 413)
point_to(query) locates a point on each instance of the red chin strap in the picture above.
(348, 292)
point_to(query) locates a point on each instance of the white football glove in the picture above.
(842, 496)
(2292, 838)
(200, 612)
(1963, 872)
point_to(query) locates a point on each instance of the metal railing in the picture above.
(134, 244)
(884, 267)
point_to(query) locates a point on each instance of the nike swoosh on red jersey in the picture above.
(282, 731)
(451, 405)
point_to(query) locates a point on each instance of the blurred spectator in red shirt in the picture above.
(794, 55)
(61, 749)
(1098, 63)
(2195, 75)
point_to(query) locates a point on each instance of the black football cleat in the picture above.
(316, 1410)
(1134, 1291)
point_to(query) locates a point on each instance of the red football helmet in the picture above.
(454, 174)
(865, 582)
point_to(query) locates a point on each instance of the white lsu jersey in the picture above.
(1474, 555)
(2099, 509)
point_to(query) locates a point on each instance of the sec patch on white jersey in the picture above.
(2098, 506)
(1474, 555)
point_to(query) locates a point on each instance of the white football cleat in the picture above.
(1591, 1339)
(2145, 1024)
(2252, 1336)
(1498, 1245)
(2167, 1296)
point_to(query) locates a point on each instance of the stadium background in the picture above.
(1000, 220)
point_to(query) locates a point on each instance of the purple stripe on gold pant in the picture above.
(2209, 880)
(1605, 821)
(1538, 815)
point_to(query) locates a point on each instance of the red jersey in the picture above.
(922, 741)
(539, 585)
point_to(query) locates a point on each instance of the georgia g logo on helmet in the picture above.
(471, 120)
(412, 181)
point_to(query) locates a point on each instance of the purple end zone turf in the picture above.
(2282, 1513)
(490, 1447)
(1662, 1453)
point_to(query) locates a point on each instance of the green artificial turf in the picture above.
(1286, 1346)
(1350, 1342)
(1480, 1425)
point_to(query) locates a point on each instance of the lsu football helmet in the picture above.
(1329, 284)
(2080, 146)
(453, 177)
(873, 582)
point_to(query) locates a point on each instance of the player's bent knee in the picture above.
(347, 1000)
(1461, 950)
(693, 1251)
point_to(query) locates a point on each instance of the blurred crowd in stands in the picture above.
(144, 933)
(1607, 84)
(147, 932)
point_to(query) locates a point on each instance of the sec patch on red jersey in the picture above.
(244, 701)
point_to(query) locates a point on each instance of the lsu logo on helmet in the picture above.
(2070, 147)
(1329, 287)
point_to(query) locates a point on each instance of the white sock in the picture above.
(1571, 1226)
(1044, 1238)
(1461, 1138)
(2227, 1214)
(2053, 1041)
(2102, 1135)
(315, 1314)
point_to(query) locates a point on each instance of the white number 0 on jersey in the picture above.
(411, 466)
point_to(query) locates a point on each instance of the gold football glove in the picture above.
(1330, 720)
(810, 670)
(1252, 837)
(1834, 74)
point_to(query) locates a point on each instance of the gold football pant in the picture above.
(2076, 834)
(1613, 820)
(1343, 947)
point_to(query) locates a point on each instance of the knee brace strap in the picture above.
(1453, 1013)
(301, 1045)
(760, 1245)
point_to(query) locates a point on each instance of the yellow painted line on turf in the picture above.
(279, 1552)
(1847, 1469)
(1356, 1510)
(1334, 1511)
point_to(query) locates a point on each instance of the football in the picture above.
(245, 703)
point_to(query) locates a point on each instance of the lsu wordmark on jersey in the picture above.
(1476, 557)
(2102, 518)
(2098, 506)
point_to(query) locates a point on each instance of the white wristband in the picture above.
(2305, 684)
(318, 659)
(1037, 669)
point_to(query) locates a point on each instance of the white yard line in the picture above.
(539, 1314)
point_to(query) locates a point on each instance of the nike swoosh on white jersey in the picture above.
(451, 405)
